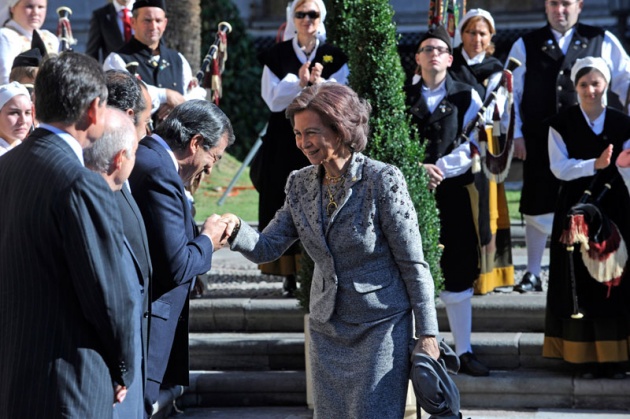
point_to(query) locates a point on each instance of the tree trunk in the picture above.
(183, 32)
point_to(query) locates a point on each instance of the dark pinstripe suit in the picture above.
(64, 302)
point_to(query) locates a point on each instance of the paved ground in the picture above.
(303, 413)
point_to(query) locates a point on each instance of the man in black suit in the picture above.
(190, 140)
(66, 348)
(113, 157)
(109, 28)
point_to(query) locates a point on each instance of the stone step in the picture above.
(496, 312)
(513, 390)
(247, 351)
(245, 388)
(285, 351)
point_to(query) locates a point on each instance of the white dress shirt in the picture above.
(458, 161)
(278, 94)
(565, 168)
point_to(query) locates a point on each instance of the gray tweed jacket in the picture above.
(369, 263)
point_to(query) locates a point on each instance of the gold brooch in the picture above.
(328, 59)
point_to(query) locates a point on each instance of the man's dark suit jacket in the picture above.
(136, 234)
(104, 36)
(178, 254)
(64, 300)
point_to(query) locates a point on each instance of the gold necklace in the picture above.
(332, 204)
(333, 179)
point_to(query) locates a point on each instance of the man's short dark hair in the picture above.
(124, 92)
(195, 117)
(66, 85)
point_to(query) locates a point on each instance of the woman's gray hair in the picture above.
(340, 108)
(195, 117)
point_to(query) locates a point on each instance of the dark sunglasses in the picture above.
(312, 15)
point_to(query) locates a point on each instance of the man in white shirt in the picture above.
(441, 107)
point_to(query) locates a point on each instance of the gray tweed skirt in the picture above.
(361, 370)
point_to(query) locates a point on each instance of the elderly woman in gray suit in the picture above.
(356, 220)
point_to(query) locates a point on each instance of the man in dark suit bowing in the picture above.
(190, 140)
(66, 348)
(110, 28)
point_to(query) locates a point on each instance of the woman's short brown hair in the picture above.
(472, 21)
(340, 108)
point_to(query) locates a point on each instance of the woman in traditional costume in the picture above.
(303, 59)
(588, 315)
(474, 64)
(27, 16)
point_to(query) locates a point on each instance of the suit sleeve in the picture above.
(159, 196)
(399, 222)
(93, 243)
(95, 40)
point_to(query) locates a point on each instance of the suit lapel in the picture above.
(112, 18)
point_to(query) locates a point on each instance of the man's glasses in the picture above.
(312, 15)
(430, 48)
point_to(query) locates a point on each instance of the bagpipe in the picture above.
(494, 166)
(216, 56)
(446, 12)
(64, 29)
(603, 249)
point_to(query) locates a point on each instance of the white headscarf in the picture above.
(10, 90)
(597, 63)
(290, 31)
(469, 15)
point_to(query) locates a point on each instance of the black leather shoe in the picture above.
(529, 282)
(289, 286)
(614, 371)
(469, 364)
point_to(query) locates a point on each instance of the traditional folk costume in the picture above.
(15, 40)
(167, 70)
(483, 73)
(542, 88)
(603, 334)
(440, 115)
(278, 155)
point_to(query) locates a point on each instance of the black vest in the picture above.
(548, 87)
(475, 75)
(582, 143)
(281, 59)
(166, 73)
(442, 128)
